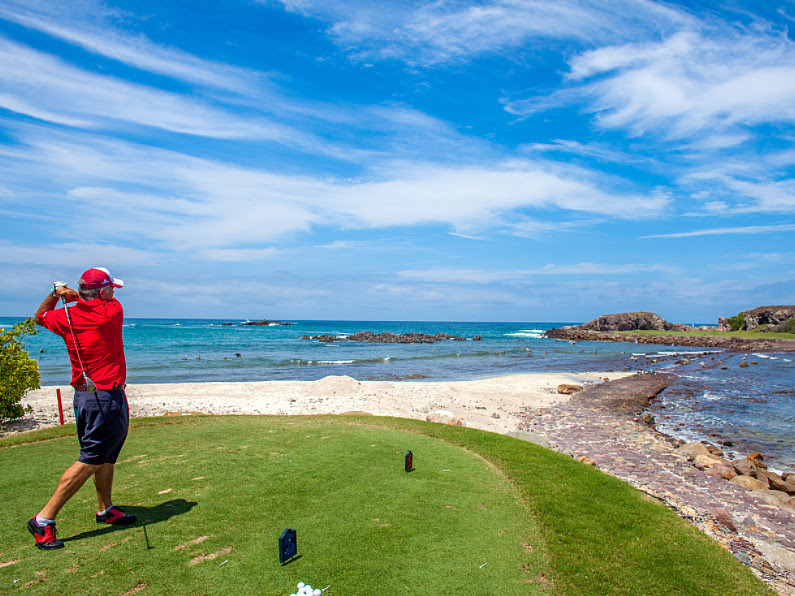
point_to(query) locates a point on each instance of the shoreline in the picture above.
(493, 404)
(732, 344)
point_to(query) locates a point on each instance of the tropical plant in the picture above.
(737, 322)
(18, 371)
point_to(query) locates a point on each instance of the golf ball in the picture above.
(317, 592)
(301, 585)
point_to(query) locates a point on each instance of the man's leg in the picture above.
(71, 481)
(103, 479)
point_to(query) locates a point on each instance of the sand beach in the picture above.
(494, 404)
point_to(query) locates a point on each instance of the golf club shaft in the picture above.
(88, 381)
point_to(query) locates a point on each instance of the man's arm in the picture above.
(52, 299)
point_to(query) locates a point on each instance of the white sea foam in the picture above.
(536, 333)
(335, 361)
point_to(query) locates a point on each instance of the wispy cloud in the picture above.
(691, 82)
(43, 86)
(228, 206)
(75, 26)
(772, 229)
(433, 33)
(343, 245)
(483, 276)
(723, 193)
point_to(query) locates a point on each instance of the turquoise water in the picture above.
(753, 408)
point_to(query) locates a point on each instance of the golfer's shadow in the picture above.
(146, 515)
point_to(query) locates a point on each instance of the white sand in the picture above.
(491, 404)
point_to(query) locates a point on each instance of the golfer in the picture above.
(92, 332)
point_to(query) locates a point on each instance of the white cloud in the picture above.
(239, 254)
(691, 82)
(730, 194)
(188, 203)
(343, 245)
(43, 86)
(484, 276)
(772, 229)
(74, 255)
(62, 21)
(431, 33)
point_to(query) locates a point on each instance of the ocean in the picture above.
(741, 409)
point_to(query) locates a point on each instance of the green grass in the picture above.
(741, 334)
(539, 521)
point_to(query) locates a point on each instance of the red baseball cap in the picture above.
(99, 277)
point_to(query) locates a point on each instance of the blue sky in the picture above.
(449, 160)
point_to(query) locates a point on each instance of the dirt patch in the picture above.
(198, 540)
(211, 556)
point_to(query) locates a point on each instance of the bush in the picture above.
(18, 371)
(737, 323)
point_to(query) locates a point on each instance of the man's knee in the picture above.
(81, 470)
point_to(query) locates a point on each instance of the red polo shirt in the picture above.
(97, 325)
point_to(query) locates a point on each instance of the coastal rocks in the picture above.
(402, 338)
(566, 389)
(265, 323)
(629, 395)
(722, 471)
(390, 338)
(723, 517)
(749, 472)
(632, 321)
(749, 483)
(732, 344)
(693, 450)
(704, 462)
(767, 315)
(773, 497)
(745, 467)
(445, 417)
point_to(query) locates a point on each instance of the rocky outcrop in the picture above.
(266, 323)
(632, 321)
(628, 395)
(390, 338)
(787, 326)
(733, 344)
(777, 319)
(768, 315)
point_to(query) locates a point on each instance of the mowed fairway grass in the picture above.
(481, 514)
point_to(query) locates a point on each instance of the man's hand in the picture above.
(62, 291)
(59, 290)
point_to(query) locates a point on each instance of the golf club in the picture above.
(90, 385)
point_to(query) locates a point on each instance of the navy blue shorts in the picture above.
(102, 420)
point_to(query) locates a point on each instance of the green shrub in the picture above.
(18, 371)
(737, 323)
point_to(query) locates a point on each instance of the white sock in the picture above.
(103, 512)
(44, 522)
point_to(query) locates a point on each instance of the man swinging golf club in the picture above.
(92, 331)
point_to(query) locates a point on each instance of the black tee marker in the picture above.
(409, 461)
(288, 545)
